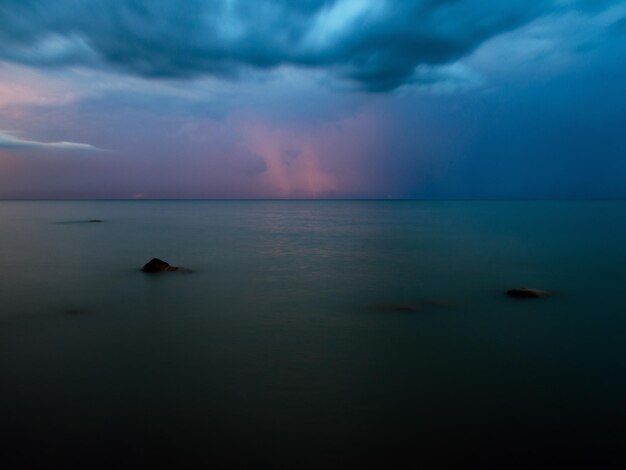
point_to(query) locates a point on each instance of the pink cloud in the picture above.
(22, 86)
(284, 177)
(313, 160)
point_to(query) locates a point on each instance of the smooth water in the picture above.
(285, 348)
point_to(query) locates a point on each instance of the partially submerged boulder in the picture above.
(527, 293)
(156, 265)
(94, 221)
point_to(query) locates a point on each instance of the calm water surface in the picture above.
(284, 348)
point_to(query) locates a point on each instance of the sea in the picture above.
(312, 334)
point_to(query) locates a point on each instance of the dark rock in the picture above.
(526, 293)
(94, 221)
(156, 265)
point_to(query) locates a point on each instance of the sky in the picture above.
(312, 99)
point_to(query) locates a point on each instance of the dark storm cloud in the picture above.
(378, 44)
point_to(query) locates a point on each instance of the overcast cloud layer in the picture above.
(377, 44)
(313, 98)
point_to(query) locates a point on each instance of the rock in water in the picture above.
(527, 293)
(156, 265)
(94, 221)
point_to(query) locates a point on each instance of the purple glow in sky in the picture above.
(312, 98)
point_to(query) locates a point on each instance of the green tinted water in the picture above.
(284, 348)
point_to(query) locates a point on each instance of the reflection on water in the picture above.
(312, 333)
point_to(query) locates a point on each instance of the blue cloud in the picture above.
(376, 44)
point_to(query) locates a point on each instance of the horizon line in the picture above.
(86, 199)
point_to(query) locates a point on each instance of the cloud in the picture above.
(620, 26)
(8, 140)
(549, 45)
(22, 86)
(377, 45)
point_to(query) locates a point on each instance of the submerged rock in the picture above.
(527, 293)
(156, 265)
